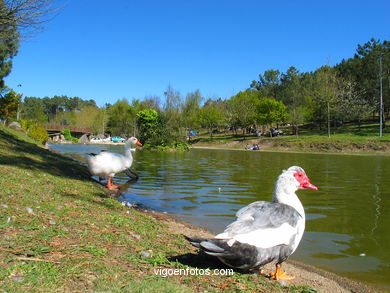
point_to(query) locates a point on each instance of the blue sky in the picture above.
(109, 50)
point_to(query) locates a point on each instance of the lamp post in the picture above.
(18, 111)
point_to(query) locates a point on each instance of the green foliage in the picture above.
(68, 136)
(35, 130)
(9, 44)
(149, 126)
(9, 104)
(121, 118)
(210, 117)
(34, 109)
(190, 108)
(154, 133)
(243, 112)
(271, 111)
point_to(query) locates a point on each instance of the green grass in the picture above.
(59, 232)
(345, 139)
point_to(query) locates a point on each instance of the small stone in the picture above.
(8, 220)
(4, 206)
(29, 210)
(18, 279)
(51, 222)
(136, 236)
(146, 254)
(362, 254)
(283, 283)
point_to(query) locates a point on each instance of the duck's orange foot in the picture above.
(279, 275)
(111, 185)
(282, 276)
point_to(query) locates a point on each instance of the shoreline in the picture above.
(305, 275)
(290, 150)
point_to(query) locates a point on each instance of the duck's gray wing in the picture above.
(263, 224)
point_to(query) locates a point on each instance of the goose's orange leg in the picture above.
(279, 275)
(111, 185)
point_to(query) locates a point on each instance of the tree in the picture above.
(190, 107)
(364, 70)
(121, 118)
(9, 44)
(27, 16)
(149, 126)
(172, 107)
(353, 105)
(292, 96)
(33, 109)
(243, 109)
(210, 116)
(268, 83)
(149, 102)
(326, 90)
(9, 104)
(271, 111)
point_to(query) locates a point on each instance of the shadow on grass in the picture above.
(201, 260)
(93, 198)
(45, 161)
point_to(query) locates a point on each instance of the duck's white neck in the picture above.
(284, 192)
(128, 150)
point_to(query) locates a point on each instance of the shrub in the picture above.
(68, 136)
(37, 132)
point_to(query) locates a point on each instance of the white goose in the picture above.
(108, 164)
(263, 231)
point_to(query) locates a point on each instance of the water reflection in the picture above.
(346, 218)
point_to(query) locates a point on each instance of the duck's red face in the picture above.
(304, 181)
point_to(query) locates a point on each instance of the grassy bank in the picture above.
(348, 139)
(60, 232)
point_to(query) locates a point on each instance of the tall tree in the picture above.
(9, 103)
(327, 88)
(190, 107)
(33, 109)
(9, 43)
(243, 109)
(353, 105)
(364, 71)
(27, 15)
(121, 118)
(268, 83)
(172, 109)
(292, 96)
(210, 116)
(271, 111)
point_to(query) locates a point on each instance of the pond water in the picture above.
(347, 222)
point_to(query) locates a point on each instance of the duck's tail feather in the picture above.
(207, 245)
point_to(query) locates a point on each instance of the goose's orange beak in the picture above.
(138, 143)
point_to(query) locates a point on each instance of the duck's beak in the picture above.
(138, 143)
(307, 184)
(311, 186)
